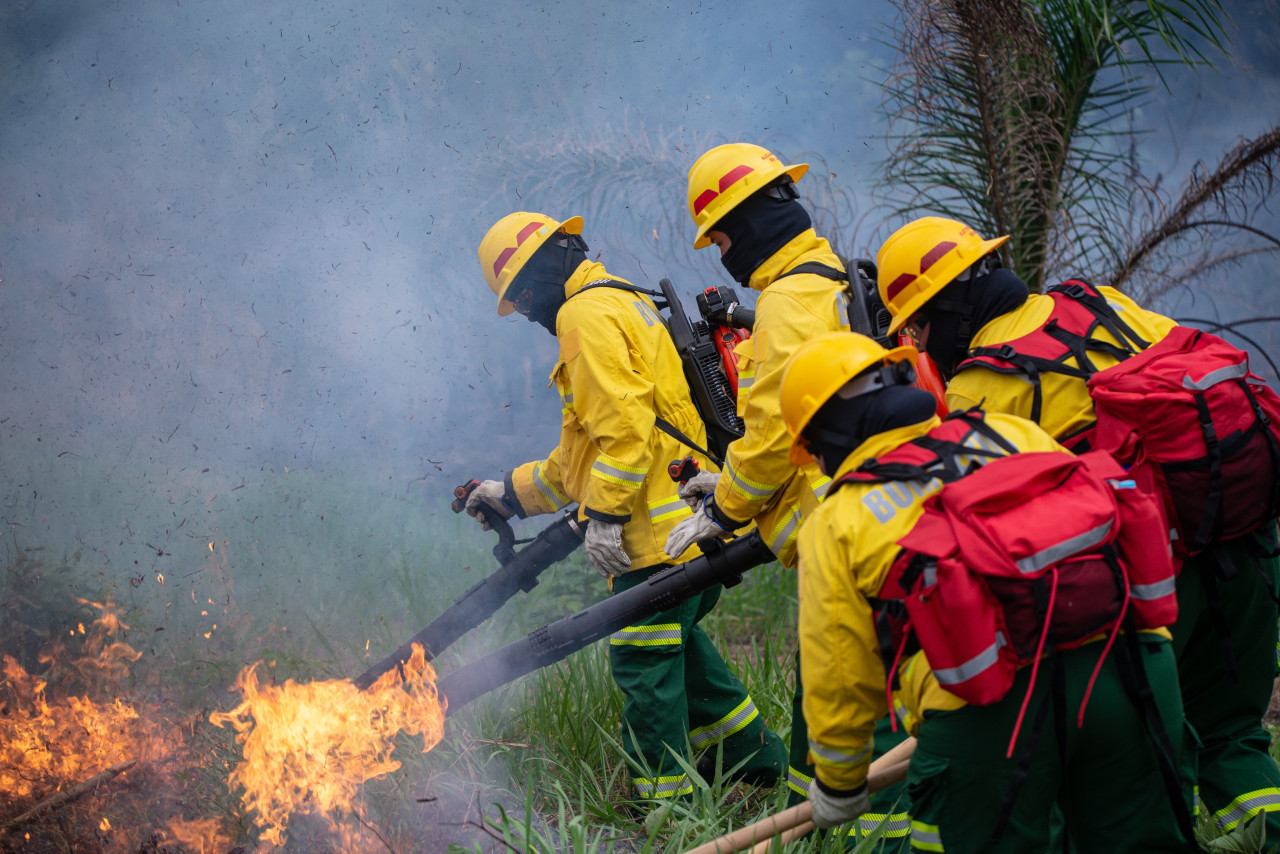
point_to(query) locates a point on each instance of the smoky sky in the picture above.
(238, 239)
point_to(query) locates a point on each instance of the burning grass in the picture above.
(310, 748)
(73, 732)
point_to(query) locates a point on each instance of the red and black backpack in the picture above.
(1019, 555)
(1015, 551)
(1185, 414)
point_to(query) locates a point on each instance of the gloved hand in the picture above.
(831, 809)
(487, 498)
(604, 548)
(693, 490)
(705, 522)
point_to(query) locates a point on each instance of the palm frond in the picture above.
(1214, 212)
(1009, 114)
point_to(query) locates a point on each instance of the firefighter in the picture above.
(623, 395)
(847, 401)
(743, 200)
(944, 284)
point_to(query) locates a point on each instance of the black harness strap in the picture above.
(674, 432)
(659, 301)
(1078, 346)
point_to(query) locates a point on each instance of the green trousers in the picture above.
(1237, 776)
(1109, 792)
(891, 804)
(678, 693)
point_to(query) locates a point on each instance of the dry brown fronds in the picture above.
(1210, 224)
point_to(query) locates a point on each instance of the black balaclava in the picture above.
(962, 308)
(545, 274)
(762, 224)
(844, 424)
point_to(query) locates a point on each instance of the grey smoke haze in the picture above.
(242, 324)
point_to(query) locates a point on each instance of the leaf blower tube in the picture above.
(519, 573)
(721, 563)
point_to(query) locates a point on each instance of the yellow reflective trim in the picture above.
(1246, 806)
(734, 722)
(619, 464)
(748, 487)
(612, 479)
(784, 533)
(820, 486)
(668, 508)
(663, 787)
(896, 825)
(798, 781)
(925, 837)
(659, 634)
(557, 498)
(608, 469)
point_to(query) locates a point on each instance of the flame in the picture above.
(308, 748)
(57, 741)
(199, 836)
(45, 742)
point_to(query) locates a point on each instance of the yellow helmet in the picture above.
(511, 243)
(921, 258)
(820, 368)
(726, 175)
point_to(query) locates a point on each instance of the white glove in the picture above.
(702, 483)
(487, 498)
(699, 526)
(604, 548)
(830, 810)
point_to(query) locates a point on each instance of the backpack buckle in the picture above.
(1075, 290)
(1005, 352)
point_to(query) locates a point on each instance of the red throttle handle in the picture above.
(460, 494)
(682, 471)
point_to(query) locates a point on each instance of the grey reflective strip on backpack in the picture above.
(1149, 592)
(1064, 549)
(1230, 372)
(972, 667)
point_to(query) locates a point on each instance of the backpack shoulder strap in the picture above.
(1092, 299)
(940, 454)
(659, 299)
(858, 313)
(1068, 333)
(817, 269)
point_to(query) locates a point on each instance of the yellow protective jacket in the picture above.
(846, 548)
(1066, 407)
(759, 481)
(618, 371)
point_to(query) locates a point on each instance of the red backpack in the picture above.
(1185, 414)
(1014, 555)
(1196, 426)
(1001, 531)
(1031, 551)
